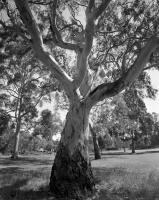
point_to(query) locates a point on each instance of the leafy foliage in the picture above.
(4, 121)
(48, 125)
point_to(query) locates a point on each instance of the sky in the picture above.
(153, 105)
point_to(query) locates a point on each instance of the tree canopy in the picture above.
(122, 32)
(95, 50)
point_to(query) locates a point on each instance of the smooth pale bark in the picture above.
(97, 154)
(40, 50)
(15, 152)
(71, 173)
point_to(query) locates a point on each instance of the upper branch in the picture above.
(92, 14)
(87, 45)
(38, 46)
(90, 5)
(101, 8)
(39, 2)
(29, 22)
(156, 65)
(57, 39)
(106, 90)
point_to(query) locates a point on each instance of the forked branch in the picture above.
(106, 90)
(57, 39)
(39, 48)
(87, 46)
(92, 14)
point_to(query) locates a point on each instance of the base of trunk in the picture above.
(133, 146)
(71, 176)
(15, 156)
(97, 156)
(133, 151)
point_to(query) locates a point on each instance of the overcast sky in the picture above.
(153, 105)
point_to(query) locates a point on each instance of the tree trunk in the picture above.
(71, 174)
(133, 143)
(97, 154)
(16, 142)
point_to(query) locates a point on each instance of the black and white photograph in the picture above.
(79, 100)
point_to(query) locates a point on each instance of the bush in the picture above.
(49, 146)
(155, 140)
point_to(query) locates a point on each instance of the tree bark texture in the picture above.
(97, 154)
(16, 142)
(133, 143)
(71, 174)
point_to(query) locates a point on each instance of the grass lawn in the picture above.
(121, 177)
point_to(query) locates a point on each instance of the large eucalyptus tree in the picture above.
(112, 43)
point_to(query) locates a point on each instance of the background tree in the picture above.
(48, 125)
(149, 129)
(23, 86)
(125, 35)
(101, 143)
(100, 122)
(97, 154)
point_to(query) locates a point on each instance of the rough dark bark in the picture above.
(71, 174)
(97, 154)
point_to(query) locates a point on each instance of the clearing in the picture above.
(119, 176)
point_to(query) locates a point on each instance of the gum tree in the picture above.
(112, 44)
(23, 86)
(21, 92)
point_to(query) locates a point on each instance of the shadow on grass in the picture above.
(17, 184)
(6, 161)
(9, 171)
(129, 153)
(112, 183)
(14, 192)
(147, 152)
